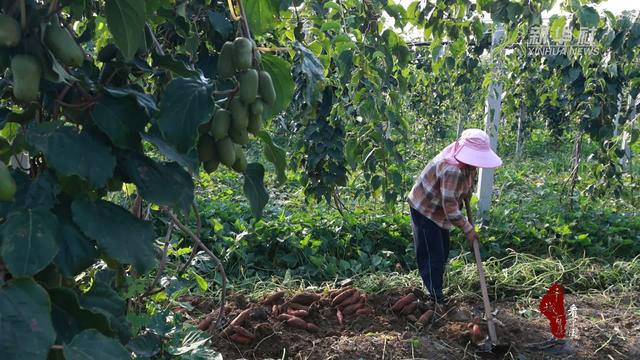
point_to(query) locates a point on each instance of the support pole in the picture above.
(493, 105)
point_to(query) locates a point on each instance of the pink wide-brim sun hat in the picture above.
(475, 150)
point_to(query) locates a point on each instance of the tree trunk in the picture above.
(493, 105)
(522, 119)
(626, 135)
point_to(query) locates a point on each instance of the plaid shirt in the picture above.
(439, 192)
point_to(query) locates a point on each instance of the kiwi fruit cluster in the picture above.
(27, 67)
(221, 139)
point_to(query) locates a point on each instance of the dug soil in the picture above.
(602, 328)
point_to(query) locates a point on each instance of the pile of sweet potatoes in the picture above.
(408, 305)
(349, 301)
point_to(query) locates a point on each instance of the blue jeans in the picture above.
(432, 252)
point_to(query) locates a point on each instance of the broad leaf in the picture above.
(220, 24)
(77, 252)
(189, 160)
(165, 184)
(145, 346)
(86, 344)
(260, 15)
(145, 101)
(275, 154)
(125, 19)
(29, 241)
(120, 235)
(69, 318)
(26, 331)
(254, 188)
(104, 300)
(187, 103)
(73, 153)
(42, 191)
(177, 66)
(280, 71)
(121, 119)
(588, 17)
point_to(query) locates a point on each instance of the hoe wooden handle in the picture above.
(483, 284)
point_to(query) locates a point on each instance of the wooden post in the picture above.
(522, 119)
(493, 105)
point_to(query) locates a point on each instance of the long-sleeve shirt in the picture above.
(439, 191)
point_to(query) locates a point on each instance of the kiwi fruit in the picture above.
(26, 77)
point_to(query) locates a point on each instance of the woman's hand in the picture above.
(472, 236)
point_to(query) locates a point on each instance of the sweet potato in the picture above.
(297, 322)
(284, 317)
(273, 298)
(340, 317)
(340, 298)
(296, 306)
(352, 308)
(364, 311)
(238, 321)
(350, 300)
(305, 298)
(409, 308)
(205, 323)
(237, 338)
(403, 301)
(312, 327)
(425, 318)
(244, 332)
(335, 292)
(275, 310)
(298, 313)
(476, 333)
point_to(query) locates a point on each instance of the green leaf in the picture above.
(202, 283)
(177, 66)
(588, 16)
(254, 188)
(42, 191)
(145, 346)
(120, 235)
(144, 101)
(275, 154)
(280, 71)
(86, 344)
(125, 19)
(220, 24)
(25, 321)
(76, 253)
(69, 318)
(187, 103)
(121, 119)
(29, 241)
(260, 15)
(164, 184)
(73, 153)
(189, 160)
(330, 26)
(102, 299)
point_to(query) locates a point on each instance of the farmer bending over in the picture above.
(436, 200)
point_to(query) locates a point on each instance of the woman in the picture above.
(436, 200)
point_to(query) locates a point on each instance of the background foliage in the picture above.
(111, 149)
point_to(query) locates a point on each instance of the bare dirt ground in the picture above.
(605, 328)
